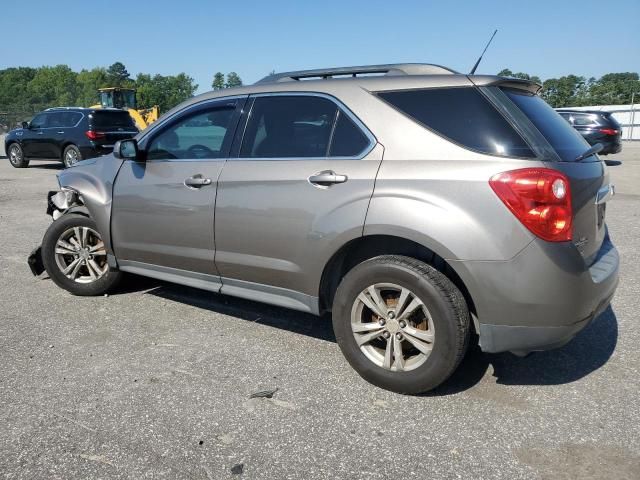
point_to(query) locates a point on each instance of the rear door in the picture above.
(163, 208)
(298, 191)
(590, 188)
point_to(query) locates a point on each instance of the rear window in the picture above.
(565, 140)
(464, 116)
(107, 120)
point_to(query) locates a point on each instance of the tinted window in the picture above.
(39, 121)
(582, 119)
(566, 141)
(64, 119)
(110, 120)
(348, 140)
(288, 126)
(200, 135)
(463, 115)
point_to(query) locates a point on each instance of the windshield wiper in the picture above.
(597, 148)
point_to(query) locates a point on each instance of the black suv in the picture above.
(68, 134)
(596, 127)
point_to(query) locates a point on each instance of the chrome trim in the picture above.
(343, 108)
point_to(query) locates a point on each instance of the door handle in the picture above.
(327, 178)
(40, 132)
(60, 131)
(197, 181)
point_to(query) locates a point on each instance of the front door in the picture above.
(35, 139)
(163, 208)
(299, 190)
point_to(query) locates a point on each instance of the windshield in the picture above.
(565, 140)
(108, 120)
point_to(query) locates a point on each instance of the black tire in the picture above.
(71, 155)
(440, 296)
(102, 285)
(16, 156)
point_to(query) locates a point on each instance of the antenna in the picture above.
(473, 70)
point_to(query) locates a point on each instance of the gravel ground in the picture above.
(153, 382)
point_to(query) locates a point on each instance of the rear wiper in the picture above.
(594, 149)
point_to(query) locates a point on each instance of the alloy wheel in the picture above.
(392, 327)
(15, 155)
(80, 255)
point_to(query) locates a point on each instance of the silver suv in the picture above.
(418, 205)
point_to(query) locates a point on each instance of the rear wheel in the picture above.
(16, 156)
(71, 156)
(401, 324)
(75, 258)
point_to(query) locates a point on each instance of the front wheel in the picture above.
(16, 156)
(71, 156)
(400, 323)
(75, 258)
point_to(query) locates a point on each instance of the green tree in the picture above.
(117, 75)
(564, 91)
(53, 86)
(89, 81)
(233, 80)
(164, 91)
(218, 81)
(614, 88)
(505, 72)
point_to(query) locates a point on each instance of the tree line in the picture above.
(578, 91)
(26, 90)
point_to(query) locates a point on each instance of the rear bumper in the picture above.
(95, 151)
(541, 298)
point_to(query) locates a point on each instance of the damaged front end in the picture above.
(85, 189)
(58, 203)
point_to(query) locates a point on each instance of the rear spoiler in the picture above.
(508, 82)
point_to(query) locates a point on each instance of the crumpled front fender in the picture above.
(92, 180)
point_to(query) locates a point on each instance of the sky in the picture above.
(199, 37)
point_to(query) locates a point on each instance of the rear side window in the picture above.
(112, 120)
(348, 140)
(565, 140)
(300, 126)
(64, 119)
(285, 127)
(464, 116)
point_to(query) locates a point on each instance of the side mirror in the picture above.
(24, 125)
(126, 149)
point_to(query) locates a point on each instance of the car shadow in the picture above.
(49, 165)
(612, 163)
(586, 353)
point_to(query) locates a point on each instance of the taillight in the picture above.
(93, 135)
(540, 198)
(608, 131)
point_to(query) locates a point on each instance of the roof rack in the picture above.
(389, 69)
(63, 108)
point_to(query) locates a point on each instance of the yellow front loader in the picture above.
(125, 98)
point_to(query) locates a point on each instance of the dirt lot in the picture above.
(153, 382)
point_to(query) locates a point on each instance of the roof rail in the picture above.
(63, 108)
(388, 69)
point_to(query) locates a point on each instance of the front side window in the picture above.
(464, 116)
(200, 135)
(39, 121)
